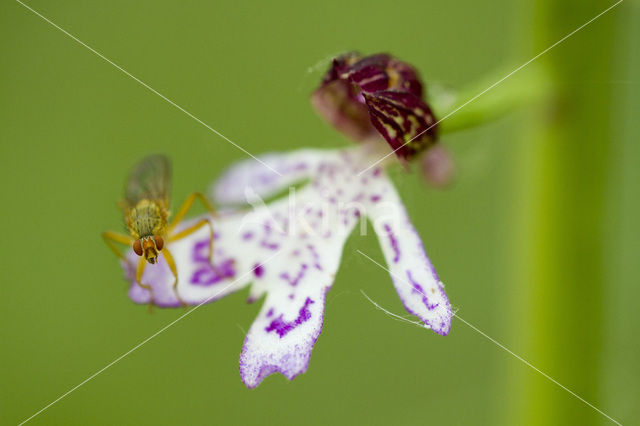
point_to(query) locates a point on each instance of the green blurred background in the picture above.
(537, 241)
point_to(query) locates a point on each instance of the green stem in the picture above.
(488, 99)
(567, 167)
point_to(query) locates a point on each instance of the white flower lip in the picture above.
(290, 250)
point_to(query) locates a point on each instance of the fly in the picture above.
(146, 217)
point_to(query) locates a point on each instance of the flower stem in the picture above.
(561, 281)
(488, 99)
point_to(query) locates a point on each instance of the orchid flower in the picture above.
(289, 250)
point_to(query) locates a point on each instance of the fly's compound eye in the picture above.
(137, 247)
(159, 242)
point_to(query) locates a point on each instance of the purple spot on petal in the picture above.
(417, 288)
(393, 242)
(258, 270)
(208, 274)
(293, 281)
(201, 251)
(375, 198)
(247, 236)
(316, 257)
(270, 246)
(282, 327)
(267, 227)
(270, 312)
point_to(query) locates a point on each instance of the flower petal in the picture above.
(291, 250)
(288, 325)
(199, 281)
(264, 181)
(413, 275)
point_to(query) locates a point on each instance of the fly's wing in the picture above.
(150, 179)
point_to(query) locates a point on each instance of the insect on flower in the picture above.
(146, 216)
(289, 249)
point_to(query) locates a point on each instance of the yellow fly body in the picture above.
(146, 216)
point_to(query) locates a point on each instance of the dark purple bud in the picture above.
(370, 74)
(338, 103)
(404, 120)
(403, 77)
(378, 94)
(341, 103)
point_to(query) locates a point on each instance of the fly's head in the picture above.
(149, 247)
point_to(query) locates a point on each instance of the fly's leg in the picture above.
(182, 212)
(193, 228)
(139, 271)
(111, 238)
(186, 206)
(172, 265)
